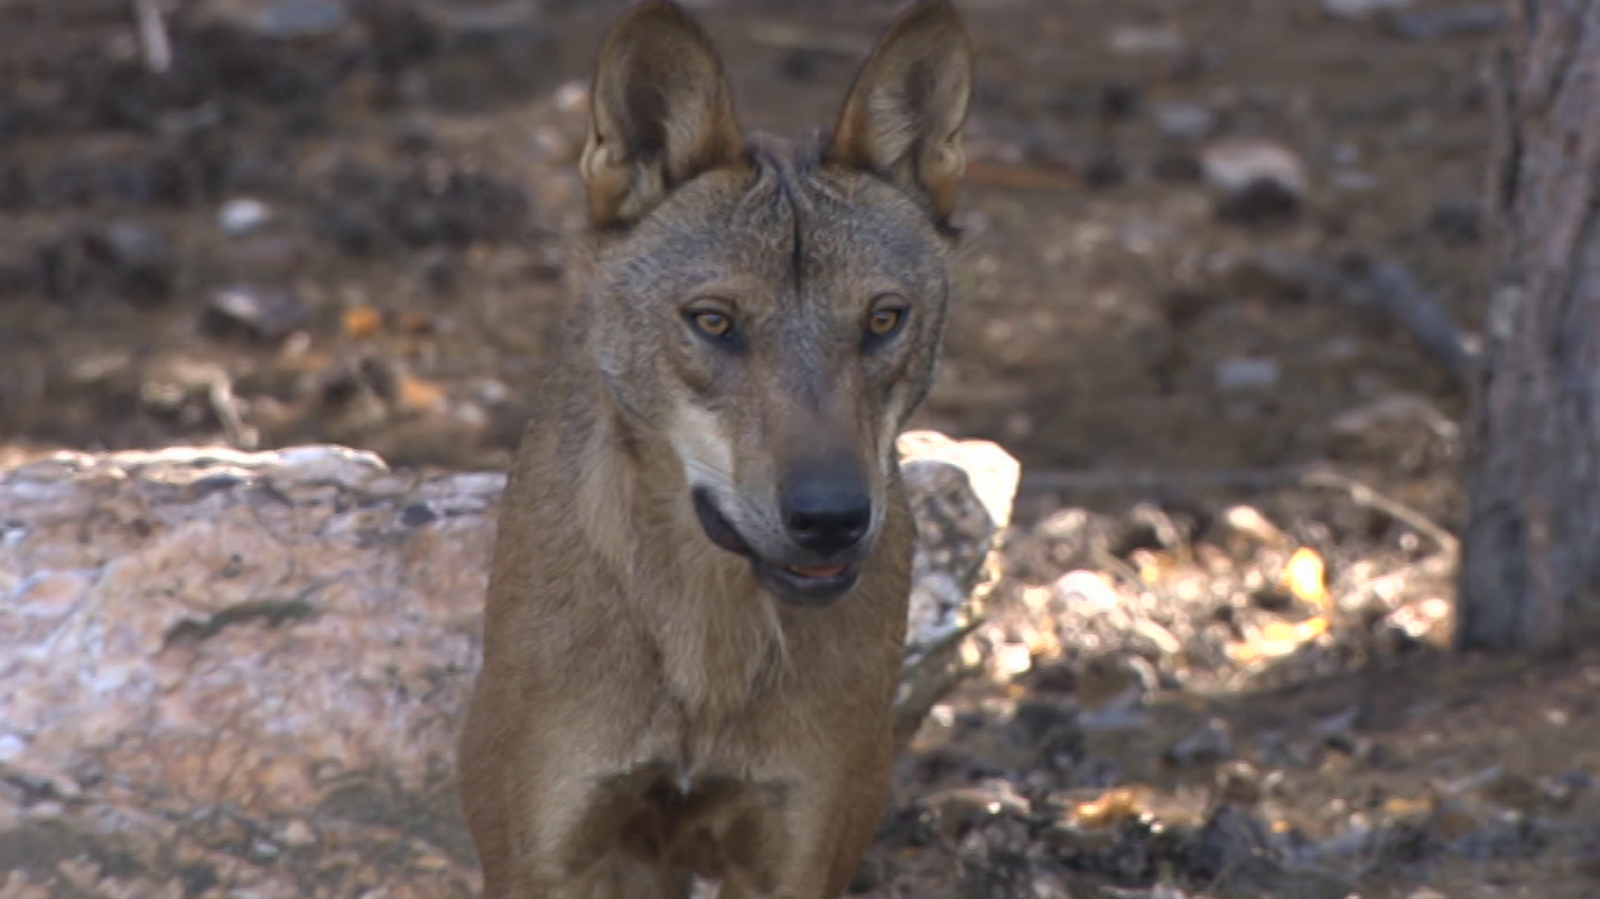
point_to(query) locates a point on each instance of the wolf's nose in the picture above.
(826, 515)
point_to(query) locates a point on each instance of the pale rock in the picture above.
(1235, 163)
(204, 650)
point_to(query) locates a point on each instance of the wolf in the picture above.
(697, 602)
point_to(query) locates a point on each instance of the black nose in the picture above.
(826, 512)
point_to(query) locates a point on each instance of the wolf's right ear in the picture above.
(904, 114)
(661, 113)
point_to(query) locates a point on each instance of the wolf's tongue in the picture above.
(818, 571)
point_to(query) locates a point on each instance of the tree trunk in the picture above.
(1531, 555)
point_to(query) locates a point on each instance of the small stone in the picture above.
(1185, 121)
(264, 313)
(243, 215)
(1247, 521)
(1257, 179)
(298, 833)
(1356, 9)
(302, 18)
(417, 514)
(1232, 163)
(1086, 592)
(492, 392)
(1131, 40)
(1013, 659)
(1246, 374)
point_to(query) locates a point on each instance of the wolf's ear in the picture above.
(903, 116)
(661, 113)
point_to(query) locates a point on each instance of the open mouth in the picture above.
(796, 584)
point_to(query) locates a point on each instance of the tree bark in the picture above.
(1531, 554)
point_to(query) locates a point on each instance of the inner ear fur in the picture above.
(661, 113)
(903, 116)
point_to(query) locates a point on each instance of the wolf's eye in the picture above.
(885, 320)
(711, 322)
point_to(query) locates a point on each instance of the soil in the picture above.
(1136, 337)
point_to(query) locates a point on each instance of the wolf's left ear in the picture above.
(903, 116)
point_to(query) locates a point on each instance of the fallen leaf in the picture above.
(1304, 577)
(362, 321)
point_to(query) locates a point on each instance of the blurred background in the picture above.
(344, 220)
(1208, 243)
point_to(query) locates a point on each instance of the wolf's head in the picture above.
(773, 309)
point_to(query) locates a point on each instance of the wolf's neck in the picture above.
(715, 632)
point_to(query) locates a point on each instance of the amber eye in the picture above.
(711, 322)
(884, 321)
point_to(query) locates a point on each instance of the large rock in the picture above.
(240, 674)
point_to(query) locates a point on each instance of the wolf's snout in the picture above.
(826, 512)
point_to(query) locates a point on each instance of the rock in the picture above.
(1256, 180)
(1232, 164)
(1185, 121)
(215, 659)
(263, 313)
(243, 215)
(961, 496)
(1245, 373)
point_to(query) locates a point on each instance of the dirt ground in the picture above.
(354, 233)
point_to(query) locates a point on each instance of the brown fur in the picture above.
(650, 708)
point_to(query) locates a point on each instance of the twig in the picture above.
(226, 406)
(153, 36)
(1314, 474)
(1397, 292)
(1364, 495)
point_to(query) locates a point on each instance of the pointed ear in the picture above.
(661, 113)
(903, 116)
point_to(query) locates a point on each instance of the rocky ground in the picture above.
(1222, 279)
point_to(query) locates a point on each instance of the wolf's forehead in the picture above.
(786, 227)
(817, 226)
